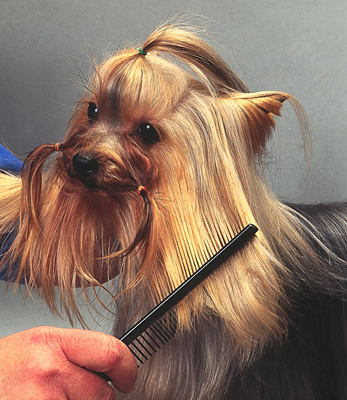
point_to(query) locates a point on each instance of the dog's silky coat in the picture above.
(159, 168)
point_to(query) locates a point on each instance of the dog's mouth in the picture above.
(114, 175)
(90, 185)
(100, 175)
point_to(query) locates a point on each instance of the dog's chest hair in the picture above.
(310, 364)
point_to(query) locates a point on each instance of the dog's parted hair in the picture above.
(175, 120)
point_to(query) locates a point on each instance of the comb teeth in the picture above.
(153, 338)
(159, 326)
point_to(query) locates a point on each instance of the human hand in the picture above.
(54, 363)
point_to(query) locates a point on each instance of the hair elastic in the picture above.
(57, 147)
(141, 51)
(141, 189)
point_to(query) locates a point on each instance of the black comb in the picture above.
(151, 332)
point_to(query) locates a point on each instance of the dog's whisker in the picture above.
(83, 79)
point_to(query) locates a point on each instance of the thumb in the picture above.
(102, 353)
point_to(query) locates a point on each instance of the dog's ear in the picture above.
(255, 114)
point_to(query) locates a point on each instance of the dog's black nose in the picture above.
(84, 165)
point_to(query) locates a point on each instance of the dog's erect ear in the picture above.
(254, 113)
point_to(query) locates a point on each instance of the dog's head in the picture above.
(159, 169)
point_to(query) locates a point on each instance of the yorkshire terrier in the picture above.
(162, 165)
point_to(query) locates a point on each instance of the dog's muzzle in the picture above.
(84, 165)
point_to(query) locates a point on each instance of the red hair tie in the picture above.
(57, 147)
(141, 189)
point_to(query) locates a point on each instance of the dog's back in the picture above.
(311, 364)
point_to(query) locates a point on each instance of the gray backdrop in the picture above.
(294, 46)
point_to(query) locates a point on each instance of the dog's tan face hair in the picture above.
(179, 123)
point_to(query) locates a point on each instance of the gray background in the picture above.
(290, 45)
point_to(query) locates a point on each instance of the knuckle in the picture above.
(38, 335)
(42, 336)
(44, 362)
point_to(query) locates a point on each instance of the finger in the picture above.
(123, 372)
(101, 353)
(87, 385)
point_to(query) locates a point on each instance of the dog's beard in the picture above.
(155, 240)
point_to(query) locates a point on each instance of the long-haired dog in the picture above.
(160, 166)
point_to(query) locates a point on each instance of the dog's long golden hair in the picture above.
(202, 185)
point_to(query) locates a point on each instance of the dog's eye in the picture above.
(148, 133)
(93, 112)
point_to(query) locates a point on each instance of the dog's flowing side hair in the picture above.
(201, 184)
